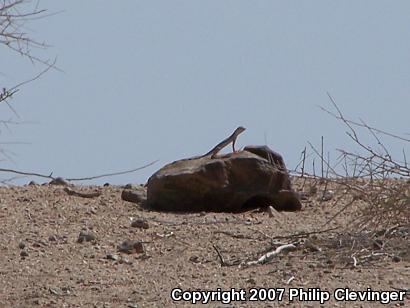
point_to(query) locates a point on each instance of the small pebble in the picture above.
(312, 190)
(396, 259)
(251, 281)
(326, 195)
(140, 223)
(112, 257)
(24, 253)
(86, 237)
(131, 246)
(125, 261)
(304, 195)
(36, 302)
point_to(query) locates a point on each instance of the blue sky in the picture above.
(147, 80)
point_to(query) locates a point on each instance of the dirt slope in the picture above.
(42, 264)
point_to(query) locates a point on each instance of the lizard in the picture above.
(216, 149)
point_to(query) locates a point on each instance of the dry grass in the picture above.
(374, 179)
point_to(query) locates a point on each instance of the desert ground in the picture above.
(45, 263)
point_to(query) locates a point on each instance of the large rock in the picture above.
(233, 182)
(274, 158)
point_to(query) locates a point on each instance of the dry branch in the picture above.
(14, 16)
(26, 173)
(270, 255)
(111, 174)
(377, 181)
(50, 176)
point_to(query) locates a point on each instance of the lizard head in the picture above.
(239, 130)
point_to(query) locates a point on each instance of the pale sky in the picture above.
(147, 80)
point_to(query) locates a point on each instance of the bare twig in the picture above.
(384, 200)
(111, 174)
(48, 67)
(234, 235)
(339, 115)
(14, 14)
(26, 173)
(321, 158)
(303, 161)
(221, 258)
(290, 280)
(50, 176)
(302, 234)
(270, 255)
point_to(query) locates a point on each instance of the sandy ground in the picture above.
(44, 265)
